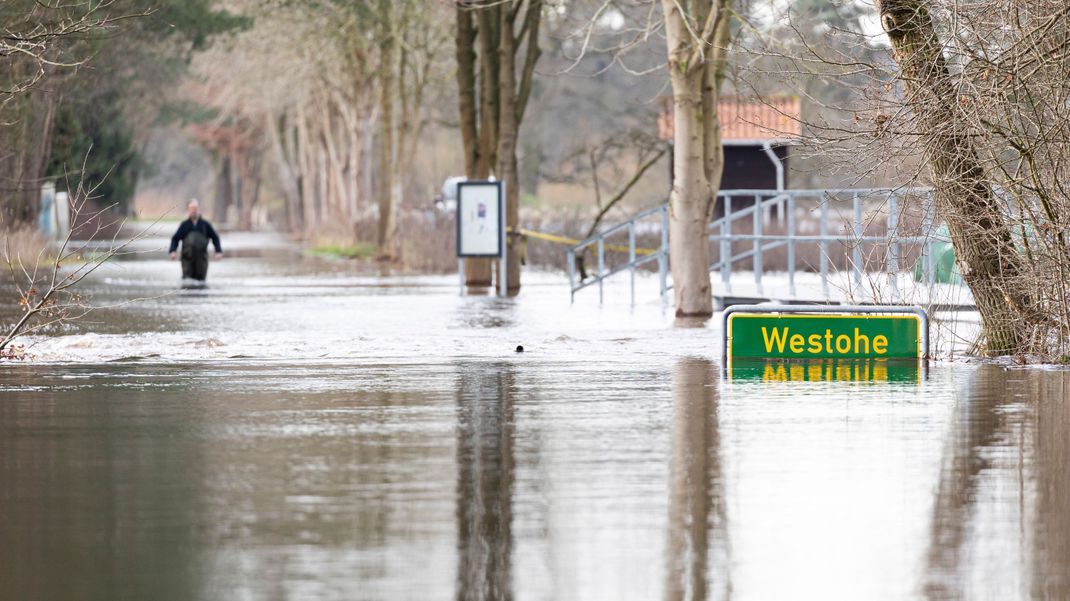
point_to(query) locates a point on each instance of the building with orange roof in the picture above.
(756, 134)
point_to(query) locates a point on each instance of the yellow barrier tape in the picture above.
(573, 242)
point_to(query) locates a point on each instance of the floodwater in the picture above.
(301, 429)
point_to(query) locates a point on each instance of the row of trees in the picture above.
(81, 75)
(339, 98)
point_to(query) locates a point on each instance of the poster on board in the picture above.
(479, 212)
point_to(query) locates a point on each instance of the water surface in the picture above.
(307, 429)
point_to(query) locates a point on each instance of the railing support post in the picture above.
(790, 204)
(928, 260)
(856, 252)
(601, 269)
(892, 263)
(726, 246)
(631, 256)
(758, 243)
(570, 258)
(663, 258)
(825, 200)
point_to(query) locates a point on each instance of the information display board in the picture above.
(800, 332)
(480, 208)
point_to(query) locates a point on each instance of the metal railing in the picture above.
(661, 254)
(764, 201)
(762, 205)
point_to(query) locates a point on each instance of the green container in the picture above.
(943, 254)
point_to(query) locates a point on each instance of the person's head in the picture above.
(193, 209)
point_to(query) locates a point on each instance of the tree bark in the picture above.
(387, 218)
(224, 189)
(479, 272)
(465, 42)
(287, 176)
(507, 134)
(981, 238)
(696, 69)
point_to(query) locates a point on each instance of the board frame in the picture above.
(827, 311)
(501, 218)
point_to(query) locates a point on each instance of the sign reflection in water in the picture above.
(827, 370)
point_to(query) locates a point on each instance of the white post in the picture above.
(460, 270)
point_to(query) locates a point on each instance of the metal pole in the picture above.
(460, 270)
(758, 243)
(571, 258)
(856, 253)
(631, 256)
(893, 244)
(663, 259)
(601, 267)
(726, 246)
(503, 265)
(928, 260)
(791, 245)
(825, 246)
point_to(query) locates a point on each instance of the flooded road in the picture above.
(302, 429)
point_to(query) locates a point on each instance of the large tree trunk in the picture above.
(507, 133)
(477, 271)
(33, 142)
(387, 218)
(983, 247)
(224, 189)
(287, 174)
(696, 69)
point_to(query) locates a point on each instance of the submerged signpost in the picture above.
(481, 226)
(799, 332)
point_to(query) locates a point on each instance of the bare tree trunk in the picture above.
(696, 67)
(489, 92)
(387, 222)
(287, 176)
(983, 247)
(32, 155)
(466, 88)
(478, 272)
(507, 133)
(224, 195)
(306, 152)
(293, 157)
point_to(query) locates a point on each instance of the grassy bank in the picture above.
(359, 251)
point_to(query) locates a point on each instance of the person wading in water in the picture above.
(194, 233)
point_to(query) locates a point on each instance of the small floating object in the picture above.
(520, 348)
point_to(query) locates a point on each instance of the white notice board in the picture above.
(479, 219)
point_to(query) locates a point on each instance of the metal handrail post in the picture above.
(631, 256)
(601, 269)
(929, 261)
(892, 263)
(790, 203)
(758, 243)
(570, 257)
(726, 246)
(663, 259)
(856, 252)
(825, 246)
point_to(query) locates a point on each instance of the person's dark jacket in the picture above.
(201, 226)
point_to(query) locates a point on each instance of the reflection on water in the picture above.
(1004, 491)
(298, 430)
(827, 370)
(92, 506)
(484, 482)
(697, 518)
